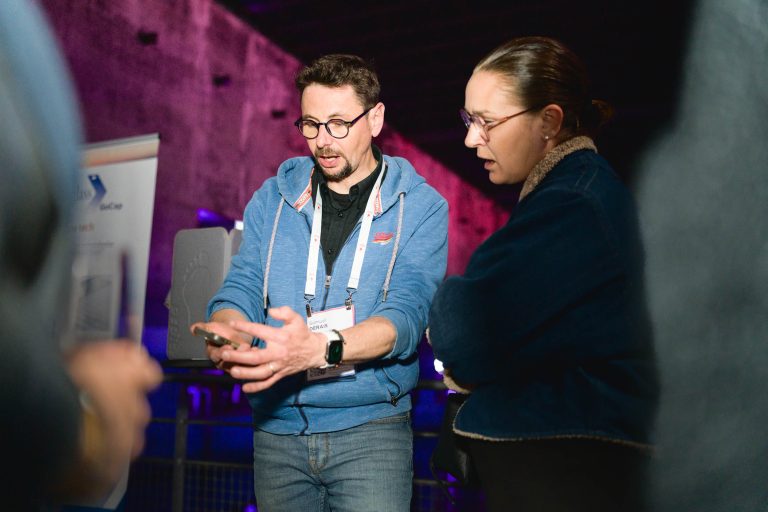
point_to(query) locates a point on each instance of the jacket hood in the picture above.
(294, 184)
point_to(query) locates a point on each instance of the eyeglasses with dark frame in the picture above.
(336, 128)
(482, 125)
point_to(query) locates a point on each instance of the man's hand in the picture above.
(222, 328)
(290, 349)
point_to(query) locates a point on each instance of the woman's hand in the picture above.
(114, 377)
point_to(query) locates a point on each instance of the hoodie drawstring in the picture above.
(385, 289)
(269, 253)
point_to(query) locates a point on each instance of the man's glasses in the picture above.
(337, 128)
(483, 125)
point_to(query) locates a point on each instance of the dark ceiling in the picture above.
(425, 51)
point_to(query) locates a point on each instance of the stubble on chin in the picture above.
(345, 173)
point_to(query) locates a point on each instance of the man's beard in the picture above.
(345, 172)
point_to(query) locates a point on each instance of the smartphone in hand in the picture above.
(215, 339)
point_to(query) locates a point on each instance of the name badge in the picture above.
(324, 321)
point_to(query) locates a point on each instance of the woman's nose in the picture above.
(475, 136)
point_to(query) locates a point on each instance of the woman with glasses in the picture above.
(547, 329)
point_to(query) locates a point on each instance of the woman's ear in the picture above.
(552, 121)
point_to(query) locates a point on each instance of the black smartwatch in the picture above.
(334, 350)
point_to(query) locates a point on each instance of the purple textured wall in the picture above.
(222, 98)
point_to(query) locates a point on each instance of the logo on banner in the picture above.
(98, 187)
(97, 194)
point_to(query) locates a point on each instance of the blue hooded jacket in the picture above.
(405, 260)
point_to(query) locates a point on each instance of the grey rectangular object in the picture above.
(201, 260)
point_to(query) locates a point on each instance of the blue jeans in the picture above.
(365, 468)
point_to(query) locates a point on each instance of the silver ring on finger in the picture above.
(271, 368)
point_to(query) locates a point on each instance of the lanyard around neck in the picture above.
(362, 239)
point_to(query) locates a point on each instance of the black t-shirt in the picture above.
(342, 211)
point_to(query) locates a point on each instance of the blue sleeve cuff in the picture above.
(404, 345)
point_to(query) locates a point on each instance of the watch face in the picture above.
(335, 351)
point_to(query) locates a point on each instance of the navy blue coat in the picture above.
(548, 325)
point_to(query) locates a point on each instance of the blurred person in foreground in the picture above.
(71, 421)
(703, 201)
(547, 329)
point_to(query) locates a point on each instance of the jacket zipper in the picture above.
(327, 289)
(327, 282)
(301, 411)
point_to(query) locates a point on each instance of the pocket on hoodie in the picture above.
(392, 390)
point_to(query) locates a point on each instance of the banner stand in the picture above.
(113, 226)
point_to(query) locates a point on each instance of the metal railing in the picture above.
(180, 483)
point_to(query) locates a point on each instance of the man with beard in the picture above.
(328, 300)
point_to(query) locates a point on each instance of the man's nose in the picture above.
(324, 138)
